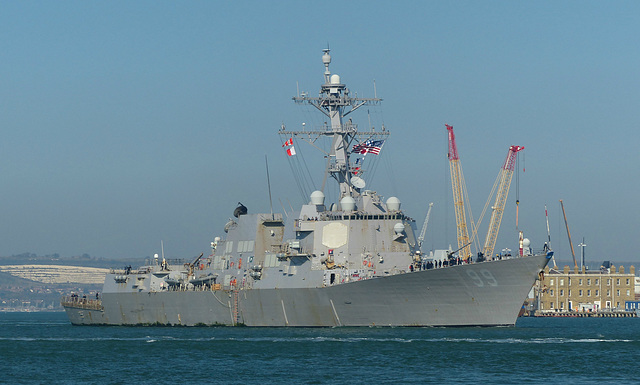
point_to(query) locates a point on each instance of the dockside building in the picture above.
(608, 288)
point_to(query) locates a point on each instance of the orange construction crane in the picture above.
(503, 182)
(458, 187)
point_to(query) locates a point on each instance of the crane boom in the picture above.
(566, 224)
(457, 185)
(424, 226)
(504, 176)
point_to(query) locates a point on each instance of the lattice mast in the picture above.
(504, 176)
(423, 232)
(457, 186)
(335, 102)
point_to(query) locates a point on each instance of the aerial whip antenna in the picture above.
(269, 185)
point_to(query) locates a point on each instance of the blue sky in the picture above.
(127, 123)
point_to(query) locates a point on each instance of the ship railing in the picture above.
(81, 303)
(169, 261)
(148, 267)
(205, 287)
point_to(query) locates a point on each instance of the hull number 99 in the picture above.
(485, 278)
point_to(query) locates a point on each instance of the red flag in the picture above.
(288, 142)
(291, 151)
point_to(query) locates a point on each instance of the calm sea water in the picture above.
(43, 348)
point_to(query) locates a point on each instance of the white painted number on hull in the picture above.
(485, 278)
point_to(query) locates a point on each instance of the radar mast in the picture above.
(335, 102)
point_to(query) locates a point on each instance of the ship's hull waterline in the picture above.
(481, 294)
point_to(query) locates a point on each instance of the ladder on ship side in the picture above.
(236, 312)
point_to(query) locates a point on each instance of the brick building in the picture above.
(583, 290)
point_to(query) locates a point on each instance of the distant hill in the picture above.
(7, 279)
(84, 260)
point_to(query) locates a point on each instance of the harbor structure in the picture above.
(607, 289)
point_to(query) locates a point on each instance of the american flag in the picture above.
(369, 146)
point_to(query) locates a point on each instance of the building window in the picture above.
(580, 293)
(618, 293)
(569, 282)
(580, 281)
(608, 281)
(596, 281)
(569, 292)
(551, 292)
(627, 281)
(617, 304)
(551, 281)
(628, 292)
(550, 305)
(561, 281)
(608, 292)
(561, 305)
(561, 292)
(588, 293)
(618, 281)
(588, 281)
(596, 293)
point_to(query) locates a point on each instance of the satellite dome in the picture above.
(393, 204)
(317, 198)
(335, 79)
(398, 228)
(348, 204)
(526, 242)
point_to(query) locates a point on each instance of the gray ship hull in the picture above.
(481, 294)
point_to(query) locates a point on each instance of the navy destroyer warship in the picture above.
(353, 262)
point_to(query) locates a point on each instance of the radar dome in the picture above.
(317, 198)
(348, 204)
(398, 228)
(393, 204)
(335, 79)
(526, 242)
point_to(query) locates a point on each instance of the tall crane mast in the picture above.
(424, 226)
(504, 180)
(566, 224)
(457, 185)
